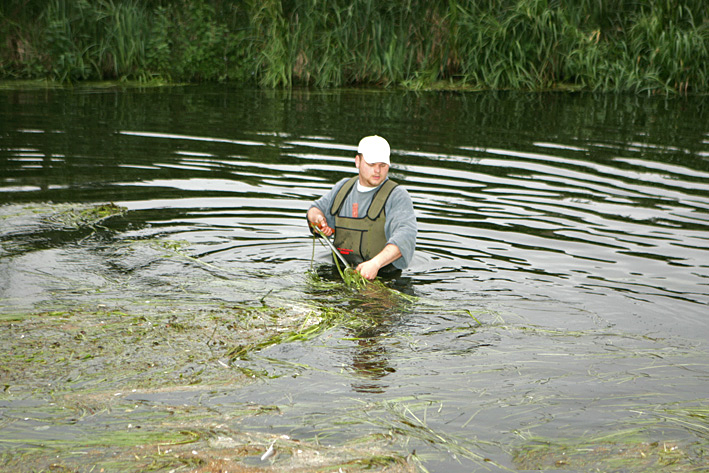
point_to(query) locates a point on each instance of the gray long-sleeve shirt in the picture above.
(400, 226)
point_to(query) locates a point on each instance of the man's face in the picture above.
(371, 175)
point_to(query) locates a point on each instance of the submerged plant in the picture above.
(409, 421)
(623, 452)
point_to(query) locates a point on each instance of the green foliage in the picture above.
(188, 43)
(608, 45)
(666, 51)
(95, 40)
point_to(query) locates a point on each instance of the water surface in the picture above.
(573, 228)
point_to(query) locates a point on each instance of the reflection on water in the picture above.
(370, 364)
(575, 226)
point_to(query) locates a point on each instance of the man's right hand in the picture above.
(317, 219)
(321, 223)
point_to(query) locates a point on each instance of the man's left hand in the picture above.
(368, 270)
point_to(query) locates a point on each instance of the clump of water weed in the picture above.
(350, 276)
(78, 216)
(622, 451)
(407, 418)
(184, 441)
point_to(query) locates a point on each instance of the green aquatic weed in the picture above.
(77, 216)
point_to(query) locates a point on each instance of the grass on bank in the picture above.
(654, 46)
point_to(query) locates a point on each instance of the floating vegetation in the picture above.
(619, 452)
(408, 421)
(25, 227)
(46, 216)
(97, 379)
(207, 447)
(88, 385)
(647, 445)
(694, 418)
(109, 379)
(75, 216)
(97, 385)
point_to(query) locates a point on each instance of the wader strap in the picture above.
(380, 199)
(341, 195)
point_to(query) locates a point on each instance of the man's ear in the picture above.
(357, 159)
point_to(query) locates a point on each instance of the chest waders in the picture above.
(361, 239)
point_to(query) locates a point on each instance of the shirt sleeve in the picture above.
(401, 227)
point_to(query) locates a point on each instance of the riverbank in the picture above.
(653, 47)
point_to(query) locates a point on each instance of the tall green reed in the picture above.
(95, 40)
(657, 45)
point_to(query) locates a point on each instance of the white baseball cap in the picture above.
(374, 149)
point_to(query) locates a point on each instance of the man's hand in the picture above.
(321, 223)
(317, 219)
(368, 269)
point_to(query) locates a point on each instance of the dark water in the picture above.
(575, 228)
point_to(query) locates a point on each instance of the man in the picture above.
(370, 215)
